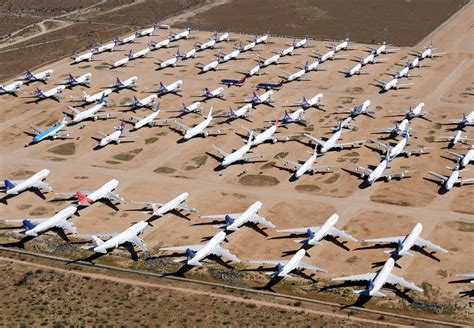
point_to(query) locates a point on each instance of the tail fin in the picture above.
(8, 184)
(130, 54)
(28, 74)
(250, 138)
(71, 79)
(121, 126)
(279, 268)
(102, 99)
(228, 220)
(189, 254)
(97, 241)
(27, 224)
(210, 113)
(83, 199)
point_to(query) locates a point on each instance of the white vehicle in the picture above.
(331, 142)
(234, 221)
(248, 46)
(195, 107)
(206, 45)
(120, 62)
(158, 45)
(300, 43)
(405, 243)
(331, 54)
(34, 227)
(464, 121)
(448, 182)
(146, 102)
(90, 113)
(216, 93)
(370, 59)
(455, 139)
(362, 109)
(469, 275)
(294, 117)
(253, 71)
(268, 135)
(149, 120)
(86, 99)
(264, 62)
(190, 54)
(116, 239)
(139, 54)
(14, 187)
(214, 65)
(200, 129)
(231, 55)
(401, 128)
(11, 88)
(147, 31)
(285, 268)
(169, 62)
(313, 66)
(176, 204)
(86, 198)
(223, 37)
(182, 35)
(356, 70)
(106, 47)
(343, 45)
(129, 83)
(306, 167)
(315, 101)
(197, 253)
(392, 84)
(287, 51)
(87, 56)
(53, 93)
(316, 234)
(412, 113)
(464, 160)
(264, 98)
(383, 49)
(428, 53)
(262, 38)
(404, 72)
(400, 148)
(128, 39)
(415, 62)
(242, 112)
(72, 81)
(297, 75)
(174, 87)
(378, 279)
(38, 77)
(115, 137)
(379, 172)
(239, 155)
(53, 132)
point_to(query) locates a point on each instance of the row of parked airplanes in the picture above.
(195, 254)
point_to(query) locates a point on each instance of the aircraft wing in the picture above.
(182, 126)
(419, 150)
(269, 262)
(102, 133)
(42, 185)
(66, 225)
(112, 196)
(220, 216)
(439, 176)
(220, 151)
(36, 129)
(466, 180)
(380, 144)
(398, 174)
(149, 203)
(219, 251)
(299, 230)
(360, 168)
(100, 235)
(294, 164)
(36, 220)
(302, 266)
(426, 243)
(106, 115)
(216, 131)
(251, 157)
(356, 277)
(286, 137)
(393, 279)
(341, 233)
(127, 138)
(318, 141)
(186, 208)
(135, 118)
(136, 241)
(194, 248)
(384, 240)
(321, 167)
(455, 154)
(349, 144)
(405, 85)
(381, 83)
(258, 219)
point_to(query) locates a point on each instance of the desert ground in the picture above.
(156, 167)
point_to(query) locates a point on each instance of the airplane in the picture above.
(139, 54)
(86, 99)
(158, 45)
(90, 113)
(370, 59)
(130, 83)
(147, 120)
(415, 62)
(297, 75)
(11, 88)
(392, 84)
(231, 82)
(356, 70)
(14, 187)
(53, 132)
(285, 268)
(147, 102)
(357, 110)
(36, 226)
(73, 81)
(383, 49)
(176, 204)
(214, 65)
(216, 93)
(195, 107)
(147, 31)
(301, 43)
(265, 98)
(242, 112)
(316, 234)
(314, 66)
(233, 222)
(287, 51)
(469, 275)
(262, 38)
(206, 45)
(239, 155)
(405, 243)
(453, 180)
(120, 62)
(169, 62)
(87, 198)
(404, 72)
(196, 253)
(128, 39)
(130, 235)
(231, 55)
(456, 138)
(414, 112)
(54, 93)
(463, 122)
(268, 134)
(38, 77)
(331, 54)
(269, 86)
(174, 87)
(223, 37)
(428, 53)
(295, 117)
(264, 62)
(183, 35)
(400, 148)
(379, 172)
(300, 168)
(376, 280)
(248, 46)
(343, 45)
(199, 129)
(115, 136)
(401, 128)
(465, 159)
(331, 142)
(106, 47)
(314, 101)
(87, 56)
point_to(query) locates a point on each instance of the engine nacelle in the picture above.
(389, 178)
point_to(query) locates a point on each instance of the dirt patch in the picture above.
(40, 210)
(281, 155)
(333, 178)
(66, 149)
(310, 189)
(112, 162)
(200, 160)
(22, 174)
(165, 170)
(128, 156)
(151, 140)
(267, 166)
(258, 180)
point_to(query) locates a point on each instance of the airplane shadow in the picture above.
(442, 190)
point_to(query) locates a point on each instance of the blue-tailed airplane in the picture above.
(53, 132)
(270, 86)
(230, 82)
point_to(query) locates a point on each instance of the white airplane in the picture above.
(343, 45)
(214, 65)
(146, 31)
(128, 39)
(465, 159)
(86, 99)
(196, 253)
(86, 198)
(87, 56)
(174, 87)
(315, 101)
(297, 75)
(313, 66)
(370, 59)
(216, 93)
(72, 81)
(376, 280)
(223, 37)
(331, 142)
(116, 137)
(428, 53)
(206, 45)
(285, 268)
(130, 235)
(235, 221)
(146, 102)
(253, 71)
(34, 227)
(456, 138)
(53, 132)
(147, 120)
(362, 109)
(356, 70)
(158, 45)
(106, 47)
(469, 275)
(405, 243)
(294, 117)
(379, 172)
(400, 148)
(90, 113)
(129, 83)
(189, 54)
(401, 128)
(248, 46)
(139, 54)
(392, 84)
(199, 129)
(267, 134)
(383, 49)
(415, 62)
(239, 155)
(38, 77)
(173, 61)
(264, 62)
(160, 209)
(331, 54)
(300, 43)
(14, 187)
(448, 182)
(287, 51)
(464, 121)
(178, 36)
(264, 98)
(195, 107)
(231, 55)
(262, 38)
(316, 234)
(404, 72)
(120, 62)
(53, 93)
(308, 166)
(11, 88)
(412, 113)
(242, 112)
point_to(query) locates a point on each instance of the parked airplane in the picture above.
(400, 148)
(73, 81)
(148, 120)
(370, 59)
(269, 86)
(146, 102)
(53, 132)
(265, 98)
(197, 253)
(231, 55)
(300, 43)
(268, 135)
(401, 128)
(139, 54)
(210, 44)
(173, 61)
(199, 129)
(297, 75)
(264, 62)
(239, 155)
(248, 46)
(415, 62)
(285, 268)
(14, 187)
(214, 65)
(405, 243)
(316, 234)
(176, 204)
(242, 112)
(253, 71)
(38, 77)
(308, 166)
(392, 84)
(128, 39)
(130, 83)
(36, 226)
(314, 66)
(404, 72)
(216, 93)
(428, 53)
(378, 279)
(343, 45)
(87, 56)
(331, 55)
(455, 139)
(356, 70)
(116, 137)
(315, 101)
(189, 54)
(106, 47)
(86, 99)
(287, 51)
(295, 117)
(195, 107)
(383, 49)
(412, 113)
(331, 142)
(174, 87)
(158, 45)
(11, 88)
(120, 62)
(53, 93)
(465, 159)
(182, 35)
(130, 235)
(87, 198)
(362, 109)
(90, 113)
(231, 82)
(453, 180)
(463, 122)
(262, 38)
(223, 37)
(147, 31)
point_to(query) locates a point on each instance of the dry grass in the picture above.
(165, 170)
(310, 189)
(258, 180)
(128, 156)
(66, 149)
